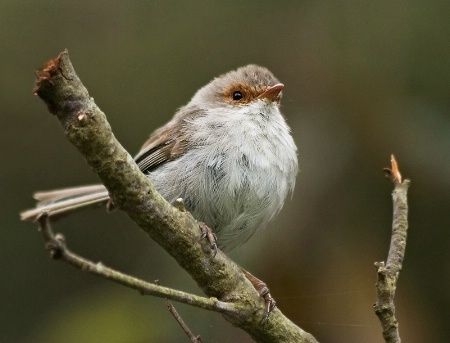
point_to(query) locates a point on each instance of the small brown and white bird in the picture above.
(228, 154)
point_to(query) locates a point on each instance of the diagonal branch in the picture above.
(387, 275)
(86, 127)
(56, 245)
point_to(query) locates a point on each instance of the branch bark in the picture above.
(387, 274)
(86, 127)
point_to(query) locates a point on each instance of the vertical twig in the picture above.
(387, 274)
(174, 312)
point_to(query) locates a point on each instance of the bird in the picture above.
(229, 154)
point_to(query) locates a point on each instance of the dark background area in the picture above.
(363, 79)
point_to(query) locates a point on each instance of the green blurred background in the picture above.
(364, 79)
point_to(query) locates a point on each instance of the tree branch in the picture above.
(86, 127)
(57, 246)
(387, 275)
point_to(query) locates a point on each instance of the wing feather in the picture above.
(167, 143)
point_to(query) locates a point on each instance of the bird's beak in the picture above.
(272, 93)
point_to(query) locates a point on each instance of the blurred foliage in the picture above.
(364, 79)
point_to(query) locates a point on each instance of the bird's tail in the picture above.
(60, 202)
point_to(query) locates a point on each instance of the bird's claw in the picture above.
(270, 305)
(264, 292)
(210, 236)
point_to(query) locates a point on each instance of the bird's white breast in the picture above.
(238, 173)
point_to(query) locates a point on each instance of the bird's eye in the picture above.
(237, 95)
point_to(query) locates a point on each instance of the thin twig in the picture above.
(176, 315)
(174, 312)
(387, 275)
(56, 245)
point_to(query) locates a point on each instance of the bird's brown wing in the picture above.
(167, 143)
